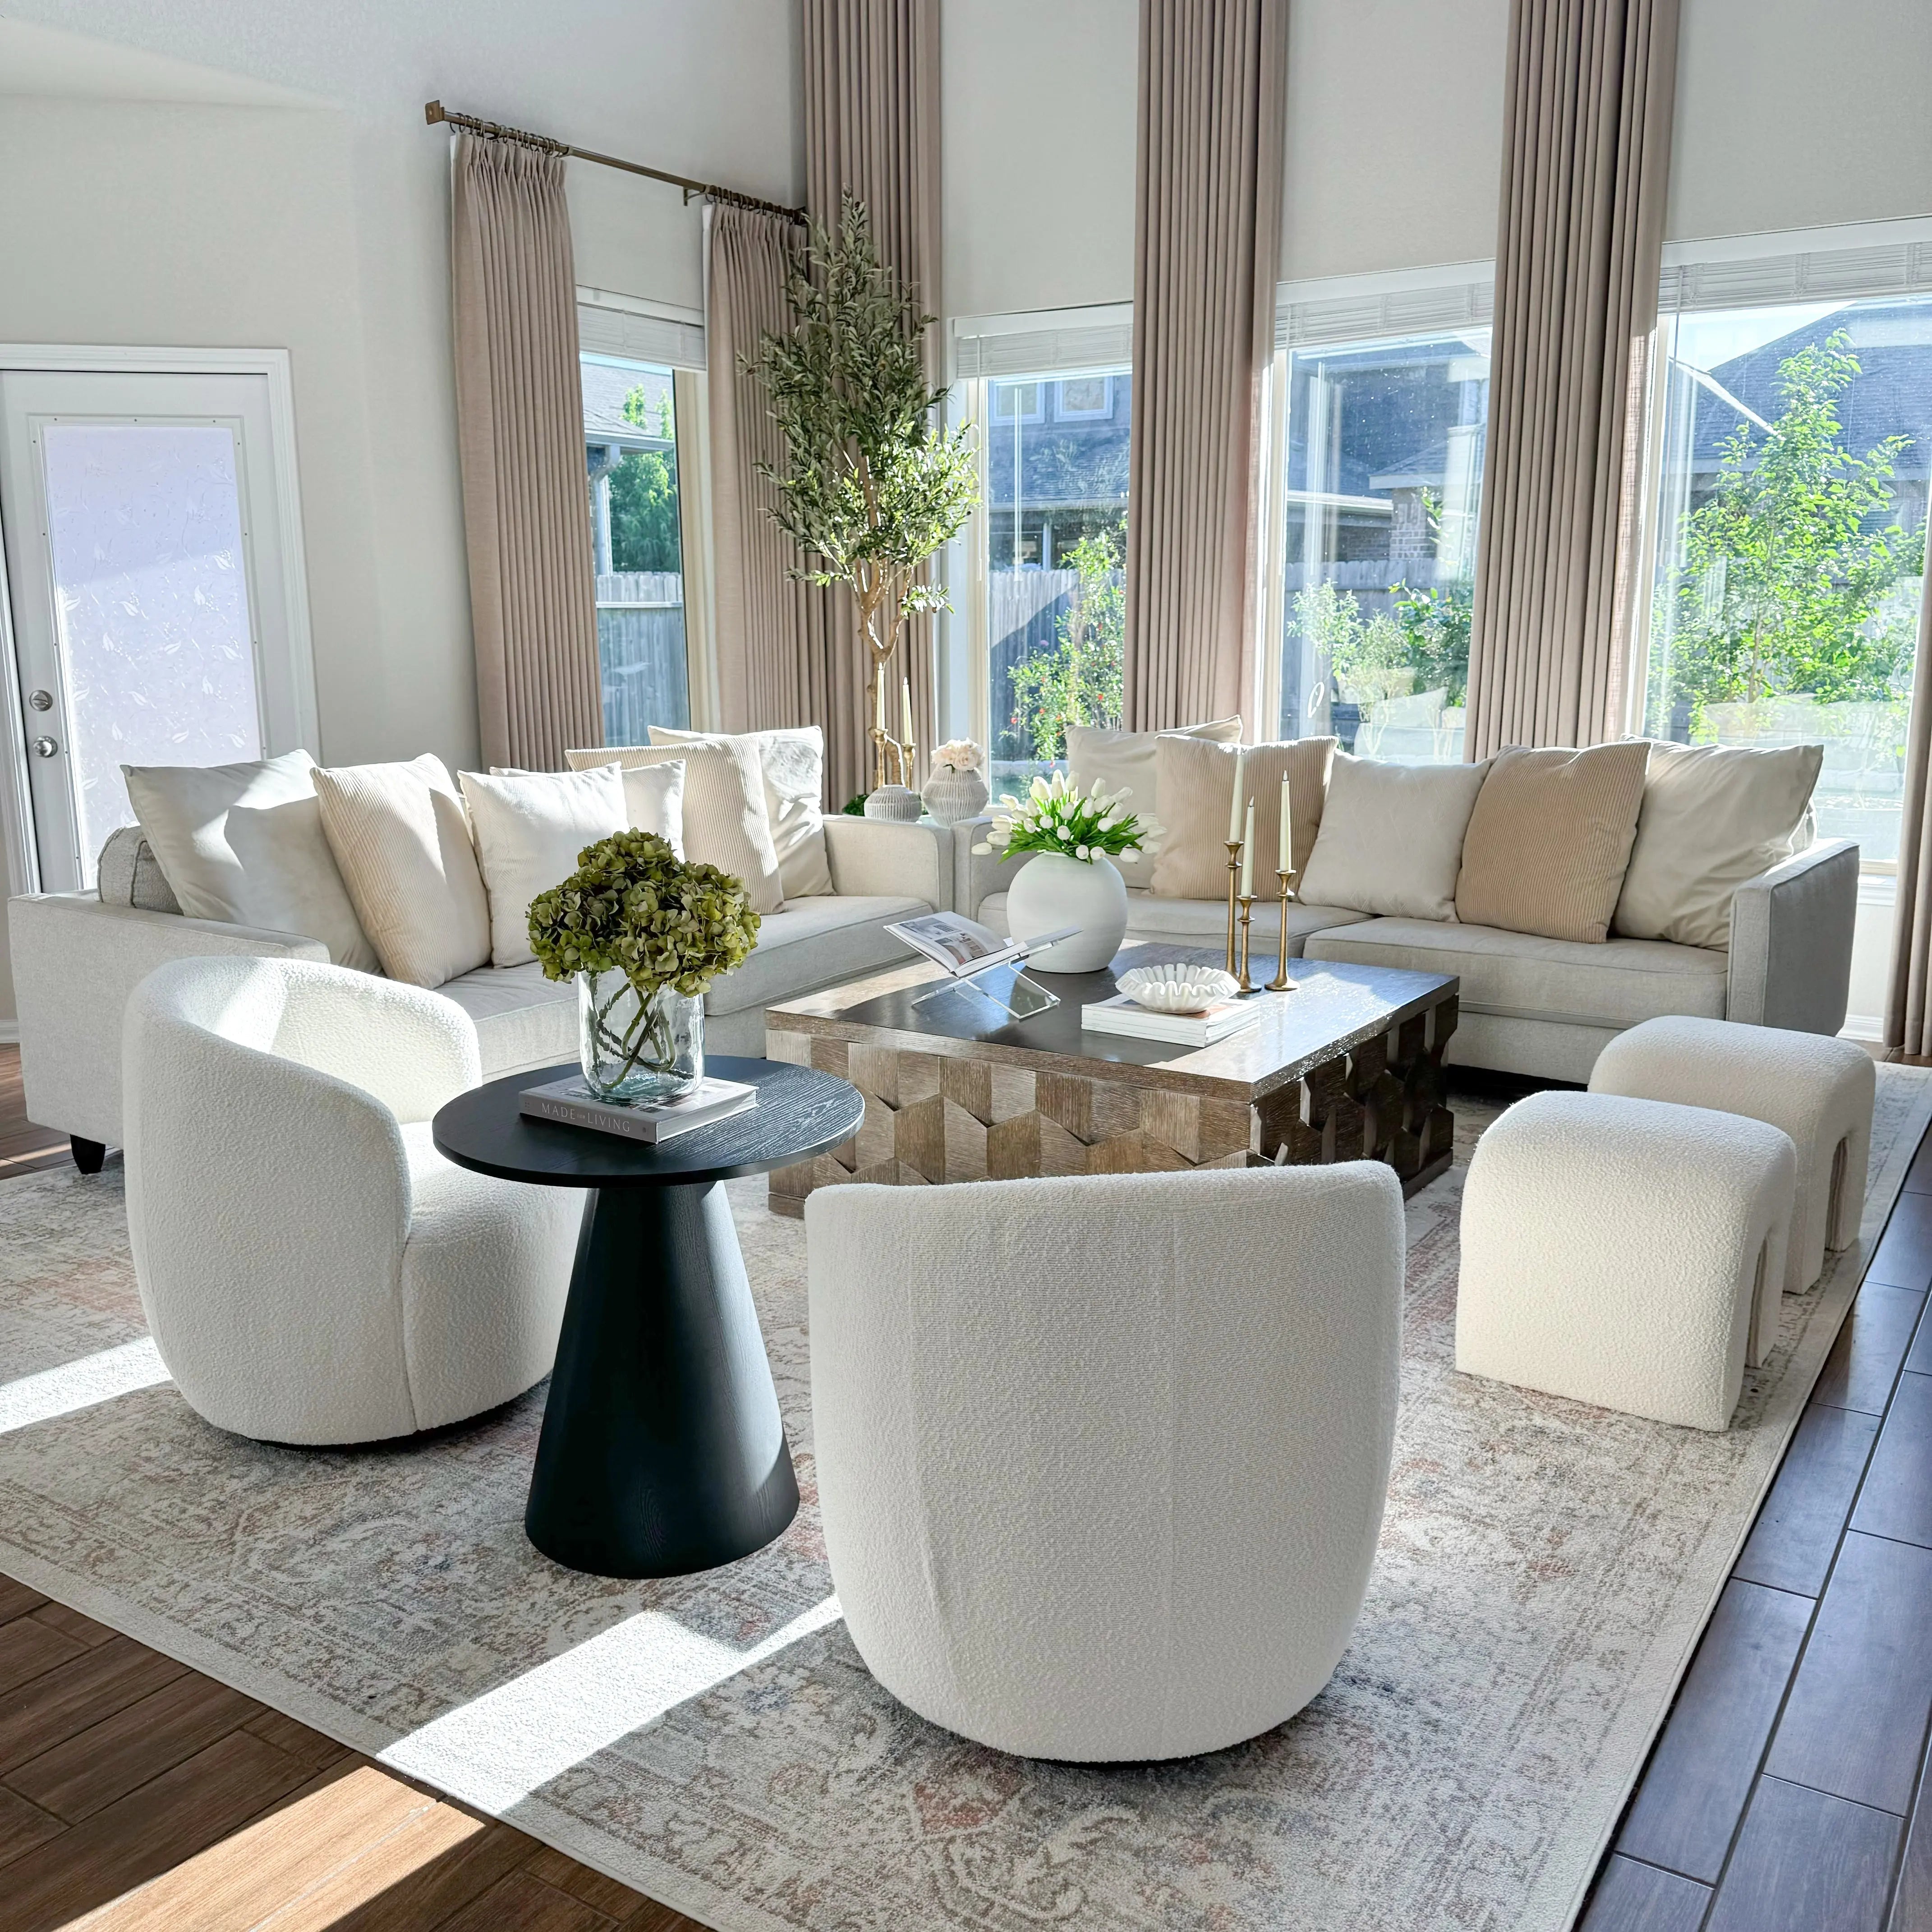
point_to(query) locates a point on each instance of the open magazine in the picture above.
(965, 948)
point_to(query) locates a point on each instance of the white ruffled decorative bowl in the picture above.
(1177, 989)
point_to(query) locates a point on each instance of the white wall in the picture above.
(1037, 103)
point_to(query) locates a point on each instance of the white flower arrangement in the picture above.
(1057, 816)
(958, 755)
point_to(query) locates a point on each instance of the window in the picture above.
(1790, 474)
(630, 442)
(1056, 525)
(1382, 493)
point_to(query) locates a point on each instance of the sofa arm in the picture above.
(977, 875)
(76, 961)
(1791, 941)
(877, 858)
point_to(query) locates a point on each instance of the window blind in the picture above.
(1046, 344)
(640, 337)
(1824, 275)
(1412, 311)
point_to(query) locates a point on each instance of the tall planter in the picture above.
(1051, 890)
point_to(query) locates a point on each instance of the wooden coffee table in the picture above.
(1346, 1066)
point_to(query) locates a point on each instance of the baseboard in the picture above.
(9, 1033)
(1863, 1028)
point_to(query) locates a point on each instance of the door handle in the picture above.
(46, 747)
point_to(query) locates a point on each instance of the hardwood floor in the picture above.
(137, 1795)
(1786, 1791)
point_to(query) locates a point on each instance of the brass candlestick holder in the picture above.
(1234, 885)
(1281, 983)
(1247, 905)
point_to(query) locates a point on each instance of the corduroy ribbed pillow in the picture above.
(1194, 779)
(725, 823)
(1124, 761)
(1549, 841)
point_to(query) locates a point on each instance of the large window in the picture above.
(1382, 493)
(630, 441)
(1793, 448)
(1056, 527)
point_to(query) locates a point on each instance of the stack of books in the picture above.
(1120, 1015)
(572, 1103)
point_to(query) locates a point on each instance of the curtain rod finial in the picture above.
(433, 112)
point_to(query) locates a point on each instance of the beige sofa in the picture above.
(1545, 1007)
(77, 956)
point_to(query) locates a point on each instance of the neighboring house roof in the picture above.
(606, 387)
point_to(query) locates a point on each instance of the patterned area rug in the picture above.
(1544, 1570)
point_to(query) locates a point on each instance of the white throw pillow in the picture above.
(244, 844)
(401, 838)
(653, 798)
(1391, 838)
(724, 820)
(1126, 760)
(1712, 816)
(792, 763)
(529, 827)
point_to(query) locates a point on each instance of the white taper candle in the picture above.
(1284, 859)
(1248, 855)
(1234, 810)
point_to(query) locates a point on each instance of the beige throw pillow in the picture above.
(725, 823)
(244, 844)
(1713, 816)
(1549, 840)
(1390, 841)
(792, 762)
(528, 828)
(401, 838)
(1194, 779)
(1124, 761)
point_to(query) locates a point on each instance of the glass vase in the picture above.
(638, 1046)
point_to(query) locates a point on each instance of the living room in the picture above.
(965, 965)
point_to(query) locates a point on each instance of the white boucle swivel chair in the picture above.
(1819, 1090)
(312, 1269)
(1102, 1461)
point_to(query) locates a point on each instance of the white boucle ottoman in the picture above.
(1818, 1089)
(1618, 1251)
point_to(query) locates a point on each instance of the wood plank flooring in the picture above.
(1786, 1791)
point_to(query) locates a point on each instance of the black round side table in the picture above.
(662, 1451)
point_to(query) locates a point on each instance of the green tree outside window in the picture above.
(1080, 680)
(643, 494)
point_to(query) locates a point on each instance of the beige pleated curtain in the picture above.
(1586, 159)
(1207, 211)
(519, 433)
(871, 129)
(1908, 1016)
(774, 664)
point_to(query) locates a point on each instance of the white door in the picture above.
(148, 590)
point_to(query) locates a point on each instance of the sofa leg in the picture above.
(88, 1155)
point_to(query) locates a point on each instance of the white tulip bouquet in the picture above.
(1057, 816)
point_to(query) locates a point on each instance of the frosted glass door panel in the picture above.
(150, 602)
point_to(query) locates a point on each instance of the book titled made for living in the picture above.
(571, 1102)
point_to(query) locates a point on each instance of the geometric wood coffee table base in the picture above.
(934, 1118)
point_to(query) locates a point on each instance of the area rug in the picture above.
(1544, 1570)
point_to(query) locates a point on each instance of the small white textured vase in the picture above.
(1051, 890)
(951, 796)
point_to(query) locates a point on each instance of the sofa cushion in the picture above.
(1713, 816)
(1391, 838)
(793, 763)
(1203, 922)
(129, 874)
(523, 1020)
(1124, 761)
(401, 837)
(813, 942)
(1515, 975)
(243, 844)
(1195, 781)
(1549, 839)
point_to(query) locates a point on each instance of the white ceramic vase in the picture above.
(1051, 890)
(897, 803)
(951, 795)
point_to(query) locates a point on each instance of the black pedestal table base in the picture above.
(662, 1451)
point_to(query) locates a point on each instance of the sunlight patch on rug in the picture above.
(80, 1385)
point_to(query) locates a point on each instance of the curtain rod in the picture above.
(434, 111)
